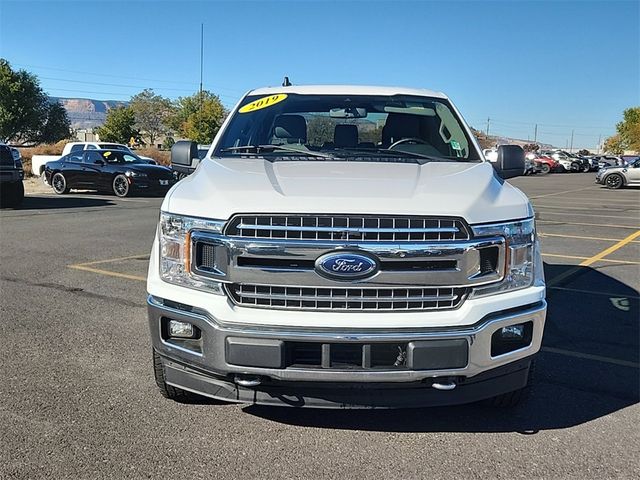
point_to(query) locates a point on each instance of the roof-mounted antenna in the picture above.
(286, 82)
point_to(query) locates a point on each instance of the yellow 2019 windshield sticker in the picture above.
(263, 102)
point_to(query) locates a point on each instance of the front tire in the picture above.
(120, 186)
(544, 169)
(614, 181)
(59, 183)
(586, 168)
(168, 391)
(515, 398)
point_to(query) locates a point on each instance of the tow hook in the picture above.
(444, 385)
(247, 381)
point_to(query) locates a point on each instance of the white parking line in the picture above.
(561, 193)
(575, 214)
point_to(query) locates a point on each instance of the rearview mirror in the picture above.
(510, 162)
(349, 112)
(184, 156)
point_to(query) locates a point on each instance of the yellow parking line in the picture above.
(544, 234)
(555, 222)
(592, 292)
(591, 260)
(611, 249)
(108, 273)
(589, 356)
(573, 257)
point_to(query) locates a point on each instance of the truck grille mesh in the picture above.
(370, 228)
(356, 299)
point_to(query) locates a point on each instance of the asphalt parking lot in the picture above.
(78, 400)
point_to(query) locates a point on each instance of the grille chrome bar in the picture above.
(289, 228)
(348, 228)
(351, 299)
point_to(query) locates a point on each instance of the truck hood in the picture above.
(222, 187)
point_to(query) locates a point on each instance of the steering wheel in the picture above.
(407, 140)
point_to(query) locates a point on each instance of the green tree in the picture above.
(628, 133)
(152, 113)
(168, 143)
(614, 145)
(189, 121)
(629, 129)
(119, 126)
(320, 130)
(26, 113)
(57, 126)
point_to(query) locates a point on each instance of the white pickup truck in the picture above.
(39, 161)
(346, 247)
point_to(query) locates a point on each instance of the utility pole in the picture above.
(488, 121)
(571, 148)
(535, 134)
(599, 140)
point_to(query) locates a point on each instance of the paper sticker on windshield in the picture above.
(263, 102)
(455, 145)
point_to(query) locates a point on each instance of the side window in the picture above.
(90, 147)
(92, 157)
(74, 157)
(76, 148)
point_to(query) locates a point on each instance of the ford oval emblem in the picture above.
(346, 265)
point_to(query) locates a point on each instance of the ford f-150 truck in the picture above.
(346, 247)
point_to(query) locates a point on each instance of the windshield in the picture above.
(113, 146)
(363, 127)
(119, 156)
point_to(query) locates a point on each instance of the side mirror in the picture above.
(510, 162)
(184, 156)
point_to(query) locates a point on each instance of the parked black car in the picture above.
(114, 171)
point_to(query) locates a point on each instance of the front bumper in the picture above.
(152, 186)
(11, 175)
(210, 366)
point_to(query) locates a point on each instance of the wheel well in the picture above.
(624, 179)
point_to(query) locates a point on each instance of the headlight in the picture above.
(523, 260)
(130, 173)
(174, 232)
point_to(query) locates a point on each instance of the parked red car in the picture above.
(545, 164)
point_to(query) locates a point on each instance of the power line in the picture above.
(101, 75)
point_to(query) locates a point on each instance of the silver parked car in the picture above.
(619, 176)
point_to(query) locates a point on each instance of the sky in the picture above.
(563, 65)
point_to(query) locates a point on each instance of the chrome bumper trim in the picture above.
(212, 359)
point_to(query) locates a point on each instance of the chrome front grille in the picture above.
(351, 299)
(354, 228)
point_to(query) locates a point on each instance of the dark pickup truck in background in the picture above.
(11, 175)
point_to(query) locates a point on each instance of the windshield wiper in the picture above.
(401, 153)
(285, 148)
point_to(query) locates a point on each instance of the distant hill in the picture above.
(86, 112)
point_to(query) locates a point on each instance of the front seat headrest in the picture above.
(290, 129)
(345, 136)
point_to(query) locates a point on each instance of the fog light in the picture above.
(180, 329)
(512, 332)
(511, 338)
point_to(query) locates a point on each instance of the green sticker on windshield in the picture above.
(455, 145)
